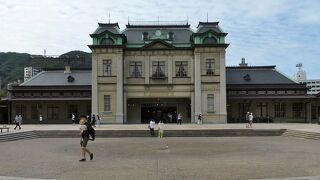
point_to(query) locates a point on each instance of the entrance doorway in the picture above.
(158, 112)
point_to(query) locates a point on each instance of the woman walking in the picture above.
(160, 129)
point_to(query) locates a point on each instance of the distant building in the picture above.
(29, 72)
(312, 84)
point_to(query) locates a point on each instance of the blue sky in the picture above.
(265, 32)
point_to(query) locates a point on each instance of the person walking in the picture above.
(250, 120)
(93, 120)
(98, 120)
(17, 121)
(84, 139)
(199, 119)
(161, 128)
(73, 118)
(247, 120)
(152, 125)
(40, 119)
(179, 119)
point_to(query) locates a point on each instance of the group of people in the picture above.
(249, 119)
(152, 125)
(93, 120)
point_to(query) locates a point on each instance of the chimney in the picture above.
(67, 69)
(243, 63)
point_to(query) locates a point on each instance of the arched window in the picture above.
(106, 41)
(209, 40)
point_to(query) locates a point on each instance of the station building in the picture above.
(158, 68)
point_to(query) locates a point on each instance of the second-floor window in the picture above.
(158, 69)
(107, 68)
(181, 68)
(135, 69)
(210, 67)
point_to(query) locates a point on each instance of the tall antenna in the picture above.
(109, 18)
(158, 20)
(187, 20)
(128, 20)
(207, 17)
(44, 52)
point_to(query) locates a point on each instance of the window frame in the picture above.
(106, 103)
(107, 72)
(134, 71)
(210, 103)
(210, 62)
(181, 68)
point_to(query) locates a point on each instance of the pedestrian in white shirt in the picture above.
(152, 125)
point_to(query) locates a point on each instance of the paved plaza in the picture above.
(168, 158)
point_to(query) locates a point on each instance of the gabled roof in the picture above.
(206, 26)
(59, 78)
(162, 44)
(111, 27)
(256, 75)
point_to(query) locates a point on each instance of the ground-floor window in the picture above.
(279, 110)
(210, 100)
(262, 110)
(107, 103)
(21, 110)
(52, 112)
(297, 110)
(243, 109)
(34, 111)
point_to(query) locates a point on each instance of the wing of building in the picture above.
(268, 94)
(53, 94)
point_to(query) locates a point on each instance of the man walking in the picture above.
(179, 119)
(84, 139)
(152, 125)
(17, 121)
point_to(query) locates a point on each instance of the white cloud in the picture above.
(266, 32)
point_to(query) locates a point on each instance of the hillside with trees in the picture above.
(12, 64)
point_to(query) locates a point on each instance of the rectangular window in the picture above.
(210, 103)
(158, 69)
(106, 67)
(34, 112)
(181, 68)
(297, 110)
(279, 110)
(210, 66)
(52, 112)
(107, 103)
(135, 69)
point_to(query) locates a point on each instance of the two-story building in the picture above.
(152, 70)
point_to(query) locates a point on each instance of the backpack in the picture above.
(90, 131)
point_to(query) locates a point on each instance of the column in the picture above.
(146, 69)
(119, 113)
(197, 87)
(223, 93)
(170, 67)
(94, 84)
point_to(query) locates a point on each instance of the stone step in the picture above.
(302, 134)
(167, 133)
(18, 136)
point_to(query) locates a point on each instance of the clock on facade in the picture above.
(158, 33)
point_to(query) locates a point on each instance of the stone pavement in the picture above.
(191, 158)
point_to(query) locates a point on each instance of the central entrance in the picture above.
(158, 112)
(142, 110)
